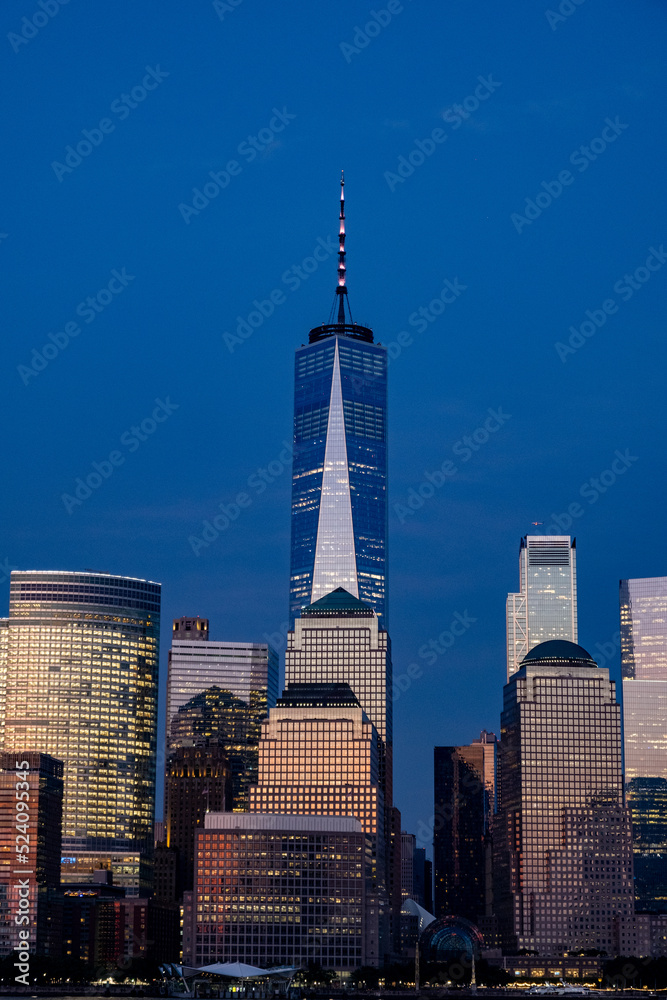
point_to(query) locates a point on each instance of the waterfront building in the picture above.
(274, 890)
(81, 685)
(545, 606)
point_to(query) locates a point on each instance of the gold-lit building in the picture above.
(562, 839)
(279, 890)
(81, 685)
(319, 755)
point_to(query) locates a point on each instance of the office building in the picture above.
(279, 890)
(339, 474)
(220, 691)
(643, 608)
(81, 685)
(562, 839)
(464, 787)
(408, 847)
(320, 755)
(31, 807)
(546, 605)
(198, 782)
(338, 640)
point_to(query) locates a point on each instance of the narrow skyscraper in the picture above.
(339, 477)
(643, 605)
(546, 605)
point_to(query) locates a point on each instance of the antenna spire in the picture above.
(341, 291)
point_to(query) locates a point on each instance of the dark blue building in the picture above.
(339, 475)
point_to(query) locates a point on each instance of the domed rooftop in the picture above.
(559, 651)
(448, 937)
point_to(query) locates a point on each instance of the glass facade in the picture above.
(644, 628)
(220, 691)
(339, 476)
(546, 605)
(279, 890)
(464, 786)
(643, 612)
(562, 839)
(81, 684)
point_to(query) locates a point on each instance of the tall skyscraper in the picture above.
(464, 786)
(643, 605)
(220, 691)
(562, 839)
(81, 685)
(546, 605)
(339, 475)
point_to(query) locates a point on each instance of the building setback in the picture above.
(278, 890)
(81, 684)
(562, 840)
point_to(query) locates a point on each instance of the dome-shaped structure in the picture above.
(448, 938)
(559, 651)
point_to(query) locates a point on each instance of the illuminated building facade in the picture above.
(81, 684)
(220, 691)
(464, 786)
(320, 756)
(546, 605)
(338, 640)
(562, 839)
(643, 607)
(31, 806)
(339, 472)
(279, 890)
(198, 781)
(218, 716)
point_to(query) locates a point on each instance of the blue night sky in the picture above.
(541, 203)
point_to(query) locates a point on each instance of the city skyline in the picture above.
(171, 405)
